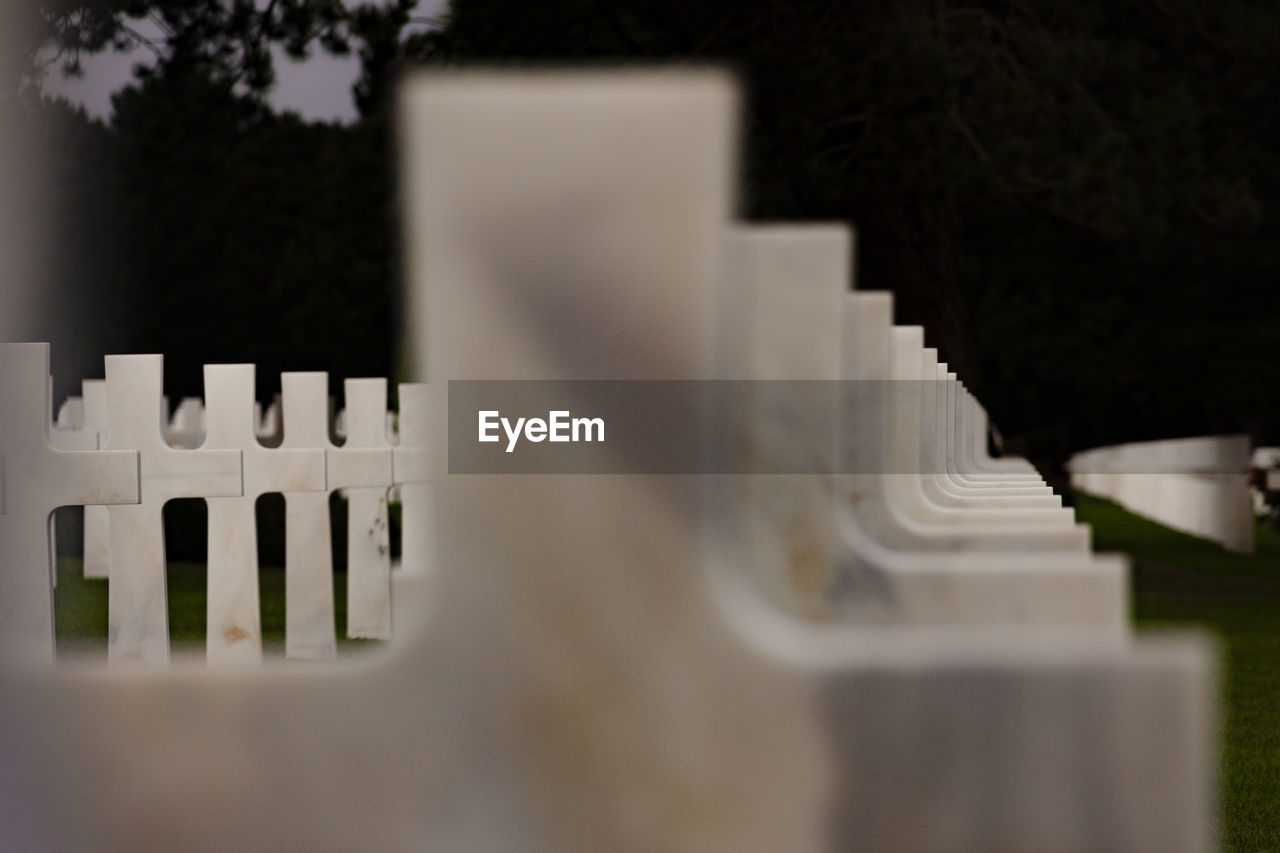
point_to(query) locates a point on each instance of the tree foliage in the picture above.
(230, 40)
(1073, 200)
(1078, 201)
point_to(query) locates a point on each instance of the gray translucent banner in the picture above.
(813, 427)
(683, 426)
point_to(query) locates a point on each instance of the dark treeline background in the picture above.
(1080, 202)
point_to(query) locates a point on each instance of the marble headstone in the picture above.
(309, 626)
(137, 603)
(368, 526)
(36, 478)
(234, 634)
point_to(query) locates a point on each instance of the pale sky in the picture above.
(319, 88)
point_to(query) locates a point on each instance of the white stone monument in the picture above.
(85, 418)
(70, 419)
(36, 478)
(1265, 461)
(959, 576)
(787, 285)
(589, 678)
(234, 634)
(917, 493)
(267, 425)
(1196, 485)
(411, 475)
(310, 629)
(97, 524)
(138, 618)
(642, 671)
(67, 432)
(362, 468)
(185, 428)
(782, 282)
(884, 434)
(937, 465)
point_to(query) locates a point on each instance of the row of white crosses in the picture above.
(919, 655)
(1196, 485)
(922, 654)
(218, 457)
(936, 532)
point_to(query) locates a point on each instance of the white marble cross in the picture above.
(935, 474)
(185, 428)
(97, 524)
(309, 624)
(267, 424)
(87, 415)
(70, 419)
(592, 257)
(784, 281)
(362, 468)
(234, 616)
(594, 608)
(586, 681)
(410, 471)
(67, 432)
(1198, 485)
(36, 479)
(137, 615)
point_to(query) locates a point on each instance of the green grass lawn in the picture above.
(1182, 580)
(80, 610)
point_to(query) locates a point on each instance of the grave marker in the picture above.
(1197, 485)
(37, 479)
(362, 468)
(137, 616)
(781, 282)
(629, 663)
(267, 425)
(67, 432)
(97, 519)
(410, 468)
(70, 417)
(993, 494)
(185, 429)
(590, 679)
(234, 617)
(309, 626)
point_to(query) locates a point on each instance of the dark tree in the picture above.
(1076, 201)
